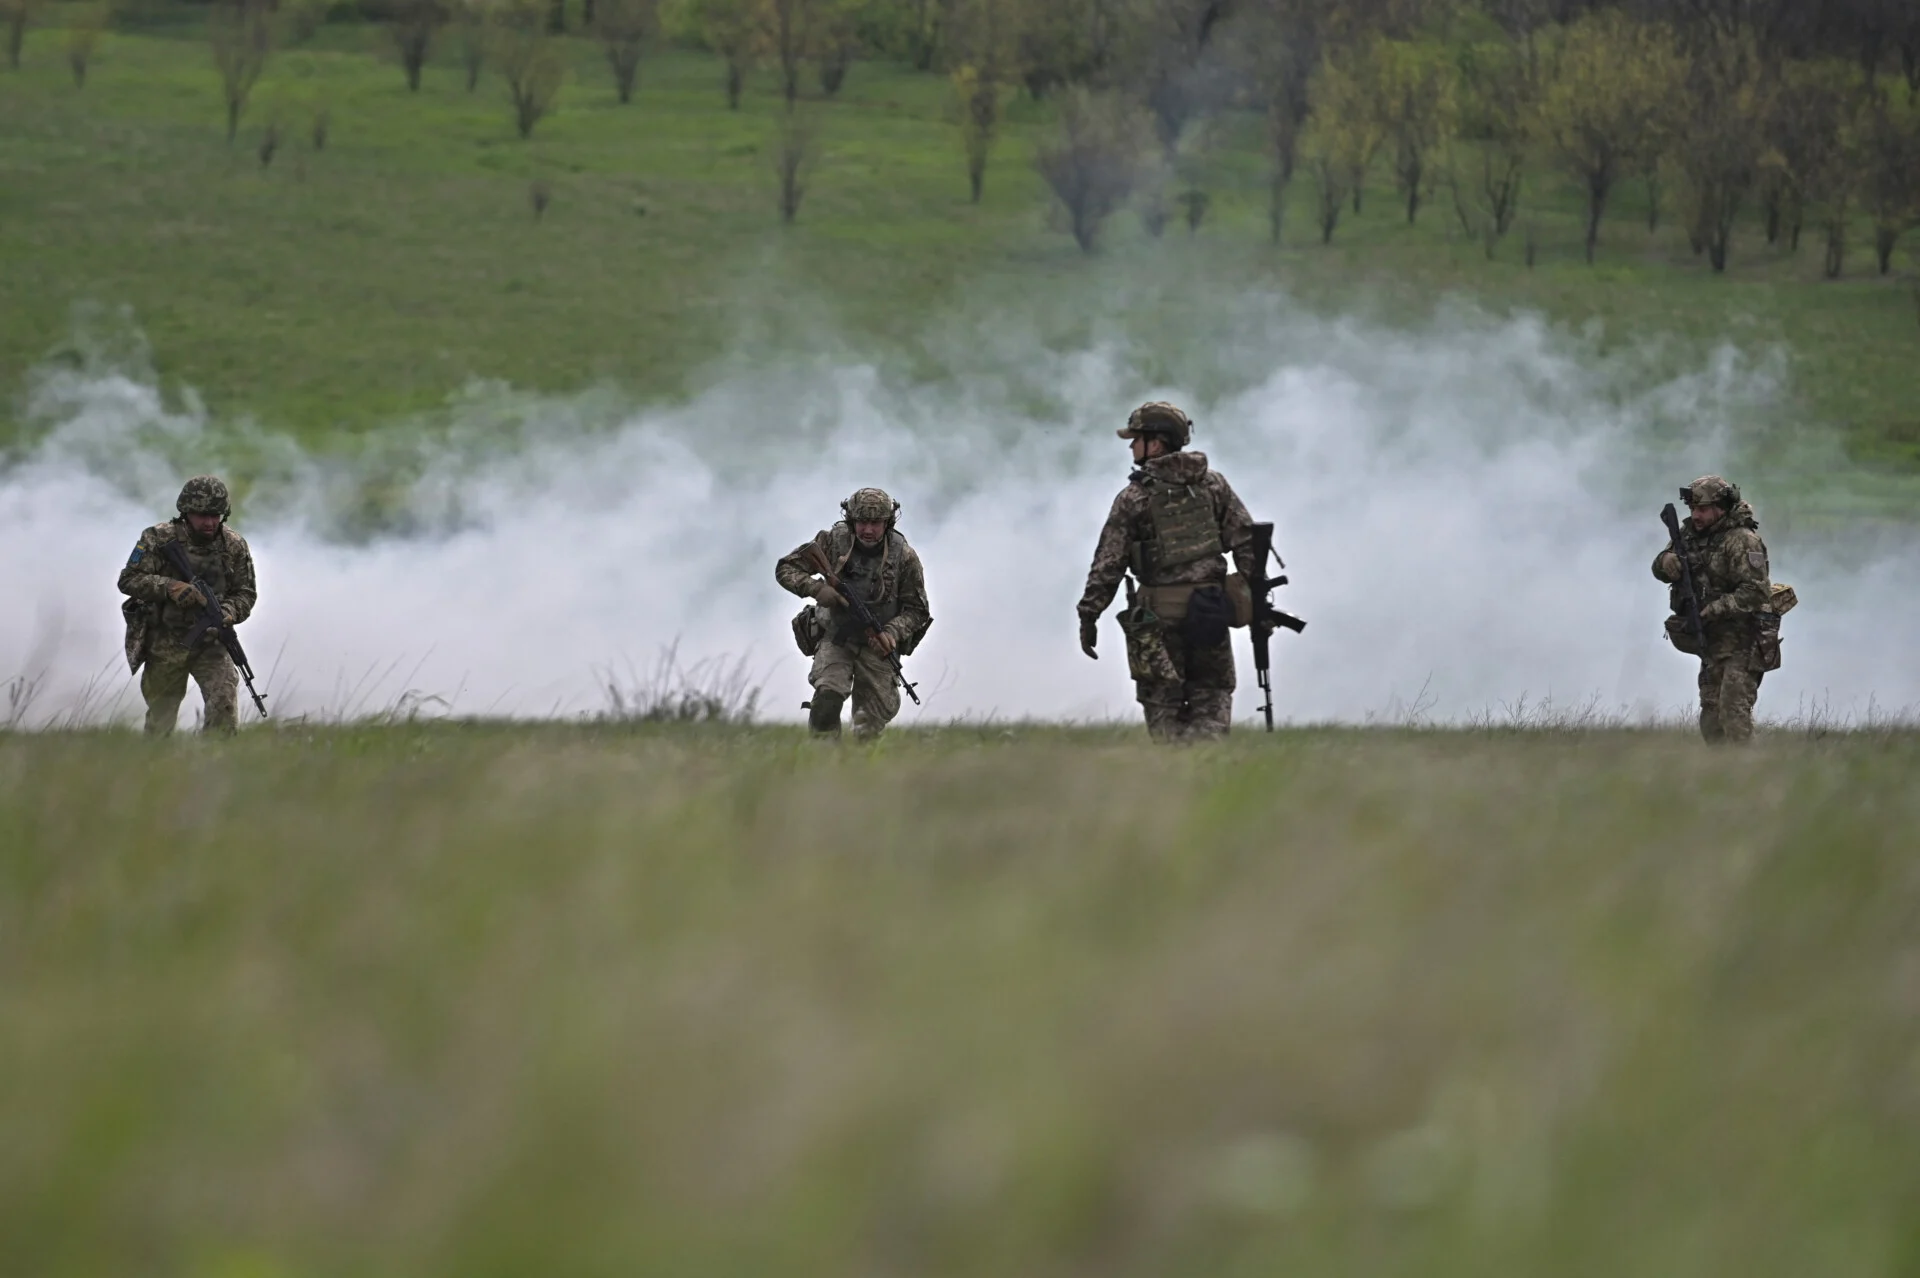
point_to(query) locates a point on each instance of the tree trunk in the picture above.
(557, 17)
(586, 14)
(1836, 248)
(1884, 238)
(736, 76)
(1596, 208)
(16, 36)
(1276, 205)
(1773, 202)
(1413, 203)
(976, 180)
(233, 119)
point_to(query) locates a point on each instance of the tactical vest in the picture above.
(1183, 527)
(875, 578)
(209, 563)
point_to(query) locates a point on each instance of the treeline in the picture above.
(1804, 113)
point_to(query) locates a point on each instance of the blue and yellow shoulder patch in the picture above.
(134, 558)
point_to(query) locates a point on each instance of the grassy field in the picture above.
(340, 289)
(472, 1001)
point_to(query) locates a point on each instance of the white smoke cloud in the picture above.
(1467, 512)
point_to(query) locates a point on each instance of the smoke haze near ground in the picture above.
(1467, 511)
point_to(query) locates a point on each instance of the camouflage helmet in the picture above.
(1157, 417)
(203, 495)
(1711, 490)
(871, 503)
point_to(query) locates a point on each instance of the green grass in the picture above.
(341, 289)
(475, 1000)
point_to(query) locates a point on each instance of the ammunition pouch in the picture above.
(1680, 635)
(1240, 595)
(1766, 641)
(809, 628)
(1147, 654)
(139, 618)
(1209, 617)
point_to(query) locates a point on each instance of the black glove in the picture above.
(1090, 636)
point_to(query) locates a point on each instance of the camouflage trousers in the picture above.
(853, 670)
(1729, 685)
(1199, 704)
(164, 684)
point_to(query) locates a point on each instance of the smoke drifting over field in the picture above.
(1467, 513)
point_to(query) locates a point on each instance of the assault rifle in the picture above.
(1265, 616)
(211, 618)
(817, 560)
(1672, 521)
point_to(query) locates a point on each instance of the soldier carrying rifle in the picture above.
(870, 609)
(1171, 528)
(1726, 608)
(188, 583)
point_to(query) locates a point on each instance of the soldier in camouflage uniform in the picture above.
(870, 555)
(162, 607)
(1172, 526)
(1729, 564)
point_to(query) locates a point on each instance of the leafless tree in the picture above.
(792, 159)
(533, 70)
(1091, 162)
(82, 38)
(414, 25)
(624, 28)
(241, 34)
(16, 15)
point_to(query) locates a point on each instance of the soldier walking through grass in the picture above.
(1726, 609)
(1172, 527)
(867, 554)
(163, 606)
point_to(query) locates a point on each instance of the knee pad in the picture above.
(823, 713)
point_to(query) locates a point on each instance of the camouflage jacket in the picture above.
(889, 579)
(224, 562)
(1729, 564)
(1130, 522)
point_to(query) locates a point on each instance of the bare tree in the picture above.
(1279, 48)
(792, 159)
(241, 34)
(835, 43)
(1727, 103)
(1487, 158)
(474, 20)
(532, 67)
(731, 29)
(1419, 112)
(789, 37)
(1091, 162)
(624, 28)
(414, 24)
(978, 100)
(985, 40)
(1890, 189)
(83, 37)
(16, 15)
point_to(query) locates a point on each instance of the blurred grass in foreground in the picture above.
(496, 1001)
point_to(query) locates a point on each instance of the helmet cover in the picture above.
(203, 495)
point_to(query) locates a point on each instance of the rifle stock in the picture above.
(817, 560)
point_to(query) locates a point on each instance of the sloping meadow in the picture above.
(473, 1000)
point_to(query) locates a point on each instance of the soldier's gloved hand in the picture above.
(828, 596)
(882, 643)
(183, 593)
(1670, 566)
(226, 614)
(1089, 636)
